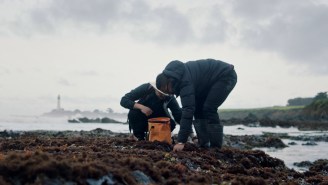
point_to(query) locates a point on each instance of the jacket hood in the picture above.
(153, 84)
(175, 69)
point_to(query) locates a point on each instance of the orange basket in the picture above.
(159, 129)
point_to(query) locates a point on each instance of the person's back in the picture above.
(206, 72)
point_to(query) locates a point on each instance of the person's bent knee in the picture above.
(210, 113)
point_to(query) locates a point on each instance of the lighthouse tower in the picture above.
(58, 103)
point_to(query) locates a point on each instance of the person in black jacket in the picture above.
(203, 85)
(145, 102)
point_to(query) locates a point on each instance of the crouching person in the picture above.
(145, 102)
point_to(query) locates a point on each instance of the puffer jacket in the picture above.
(145, 95)
(191, 79)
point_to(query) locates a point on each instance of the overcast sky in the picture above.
(93, 52)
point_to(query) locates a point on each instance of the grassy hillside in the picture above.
(317, 109)
(276, 112)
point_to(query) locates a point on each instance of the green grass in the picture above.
(263, 108)
(274, 112)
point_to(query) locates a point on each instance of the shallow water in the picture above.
(291, 131)
(291, 154)
(298, 153)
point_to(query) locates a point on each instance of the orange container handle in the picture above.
(159, 120)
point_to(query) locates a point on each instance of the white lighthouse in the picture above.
(58, 103)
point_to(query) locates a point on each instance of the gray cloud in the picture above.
(216, 28)
(294, 29)
(104, 16)
(65, 82)
(172, 25)
(98, 12)
(55, 15)
(151, 23)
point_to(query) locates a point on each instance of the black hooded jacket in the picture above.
(145, 95)
(192, 79)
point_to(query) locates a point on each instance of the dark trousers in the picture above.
(207, 103)
(139, 123)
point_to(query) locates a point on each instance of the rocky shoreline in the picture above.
(104, 157)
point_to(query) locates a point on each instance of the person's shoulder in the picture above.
(144, 86)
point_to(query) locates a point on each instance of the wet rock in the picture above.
(292, 143)
(310, 143)
(104, 180)
(279, 135)
(274, 142)
(96, 120)
(303, 164)
(252, 141)
(273, 123)
(320, 166)
(310, 138)
(142, 178)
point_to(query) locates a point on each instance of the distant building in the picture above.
(58, 104)
(59, 111)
